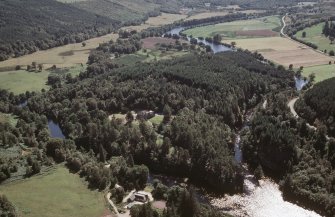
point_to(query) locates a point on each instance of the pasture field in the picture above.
(151, 42)
(283, 51)
(20, 81)
(315, 36)
(53, 194)
(321, 72)
(265, 26)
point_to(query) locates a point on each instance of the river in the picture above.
(55, 130)
(216, 48)
(259, 199)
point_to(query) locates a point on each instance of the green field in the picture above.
(150, 55)
(322, 72)
(20, 81)
(55, 194)
(314, 35)
(158, 119)
(228, 30)
(8, 118)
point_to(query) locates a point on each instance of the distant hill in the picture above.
(31, 25)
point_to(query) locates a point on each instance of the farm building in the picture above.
(145, 114)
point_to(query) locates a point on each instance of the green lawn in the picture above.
(8, 118)
(322, 72)
(55, 194)
(21, 81)
(157, 119)
(228, 29)
(314, 35)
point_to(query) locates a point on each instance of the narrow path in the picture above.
(265, 103)
(291, 104)
(108, 195)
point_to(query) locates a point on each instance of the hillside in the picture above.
(318, 105)
(125, 11)
(27, 26)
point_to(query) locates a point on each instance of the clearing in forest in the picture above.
(55, 193)
(20, 81)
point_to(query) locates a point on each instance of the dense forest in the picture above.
(215, 101)
(300, 158)
(317, 106)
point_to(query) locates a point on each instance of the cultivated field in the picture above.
(20, 81)
(261, 27)
(283, 51)
(321, 72)
(207, 14)
(150, 43)
(54, 194)
(315, 36)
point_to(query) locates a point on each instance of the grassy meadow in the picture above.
(8, 118)
(321, 72)
(228, 30)
(54, 194)
(315, 36)
(20, 81)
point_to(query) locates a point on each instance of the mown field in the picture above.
(315, 36)
(20, 81)
(56, 193)
(261, 27)
(321, 72)
(283, 51)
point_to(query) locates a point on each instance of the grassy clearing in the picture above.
(20, 81)
(8, 118)
(54, 194)
(148, 56)
(157, 119)
(229, 29)
(315, 36)
(322, 72)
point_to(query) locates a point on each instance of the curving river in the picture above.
(216, 48)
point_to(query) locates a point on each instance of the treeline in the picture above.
(6, 207)
(329, 29)
(317, 105)
(300, 158)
